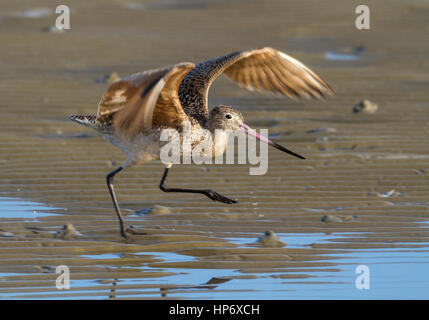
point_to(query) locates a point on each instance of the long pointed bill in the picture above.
(253, 133)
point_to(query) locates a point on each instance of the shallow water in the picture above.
(395, 273)
(17, 208)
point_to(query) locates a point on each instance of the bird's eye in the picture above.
(228, 116)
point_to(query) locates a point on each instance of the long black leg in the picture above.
(109, 180)
(209, 193)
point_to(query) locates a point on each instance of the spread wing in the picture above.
(261, 69)
(144, 100)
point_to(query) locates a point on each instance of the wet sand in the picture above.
(370, 171)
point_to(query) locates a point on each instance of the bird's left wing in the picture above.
(144, 100)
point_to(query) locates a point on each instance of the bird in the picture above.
(134, 110)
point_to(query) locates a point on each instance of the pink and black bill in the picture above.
(253, 133)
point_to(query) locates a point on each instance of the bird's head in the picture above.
(228, 119)
(225, 118)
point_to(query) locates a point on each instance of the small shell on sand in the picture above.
(67, 232)
(112, 78)
(325, 129)
(45, 269)
(331, 218)
(365, 106)
(216, 280)
(111, 163)
(155, 210)
(270, 239)
(109, 78)
(53, 29)
(6, 234)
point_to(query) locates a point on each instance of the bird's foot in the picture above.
(126, 230)
(218, 197)
(133, 230)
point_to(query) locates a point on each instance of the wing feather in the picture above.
(264, 68)
(143, 100)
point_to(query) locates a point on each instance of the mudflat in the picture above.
(360, 198)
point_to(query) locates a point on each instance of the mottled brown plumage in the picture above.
(134, 111)
(144, 100)
(261, 69)
(166, 97)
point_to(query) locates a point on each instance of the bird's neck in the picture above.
(200, 120)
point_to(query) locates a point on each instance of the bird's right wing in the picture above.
(262, 69)
(144, 100)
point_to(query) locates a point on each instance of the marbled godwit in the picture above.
(133, 111)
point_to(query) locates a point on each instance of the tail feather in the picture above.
(88, 120)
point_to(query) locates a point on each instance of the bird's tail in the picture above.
(87, 121)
